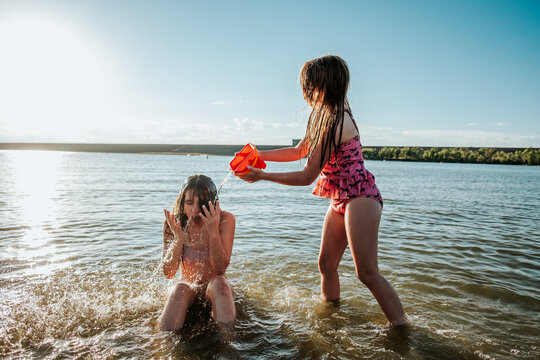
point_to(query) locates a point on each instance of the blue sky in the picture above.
(428, 73)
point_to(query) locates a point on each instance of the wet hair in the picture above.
(324, 82)
(203, 187)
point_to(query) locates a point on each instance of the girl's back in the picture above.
(349, 128)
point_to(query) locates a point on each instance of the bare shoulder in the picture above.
(227, 227)
(349, 128)
(226, 217)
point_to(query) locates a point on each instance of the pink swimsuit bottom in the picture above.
(344, 177)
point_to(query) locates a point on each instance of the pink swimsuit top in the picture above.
(344, 176)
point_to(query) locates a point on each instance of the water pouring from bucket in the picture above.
(247, 156)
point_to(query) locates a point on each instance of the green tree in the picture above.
(386, 153)
(530, 156)
(416, 153)
(370, 153)
(404, 153)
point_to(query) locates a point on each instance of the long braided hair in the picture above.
(324, 83)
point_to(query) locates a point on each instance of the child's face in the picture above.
(192, 207)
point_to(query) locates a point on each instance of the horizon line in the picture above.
(3, 145)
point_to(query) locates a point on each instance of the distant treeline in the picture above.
(529, 156)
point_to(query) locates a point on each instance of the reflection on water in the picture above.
(31, 178)
(80, 242)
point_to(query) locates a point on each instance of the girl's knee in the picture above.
(180, 291)
(173, 315)
(368, 276)
(219, 285)
(326, 266)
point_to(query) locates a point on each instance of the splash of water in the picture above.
(168, 256)
(187, 240)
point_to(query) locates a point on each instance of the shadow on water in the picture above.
(260, 334)
(254, 335)
(201, 337)
(420, 343)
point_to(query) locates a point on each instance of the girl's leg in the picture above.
(220, 293)
(174, 313)
(362, 218)
(333, 244)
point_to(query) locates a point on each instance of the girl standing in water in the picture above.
(198, 239)
(332, 144)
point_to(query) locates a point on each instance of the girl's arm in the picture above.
(295, 178)
(171, 255)
(286, 154)
(220, 226)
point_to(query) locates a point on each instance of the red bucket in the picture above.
(247, 156)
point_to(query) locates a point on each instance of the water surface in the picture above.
(80, 243)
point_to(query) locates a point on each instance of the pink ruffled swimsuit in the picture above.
(344, 177)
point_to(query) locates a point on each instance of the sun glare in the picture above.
(48, 75)
(33, 176)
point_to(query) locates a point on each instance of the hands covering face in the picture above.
(211, 215)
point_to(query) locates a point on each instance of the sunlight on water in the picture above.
(35, 172)
(33, 177)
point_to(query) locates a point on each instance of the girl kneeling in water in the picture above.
(197, 238)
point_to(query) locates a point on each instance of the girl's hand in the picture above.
(174, 225)
(211, 217)
(253, 175)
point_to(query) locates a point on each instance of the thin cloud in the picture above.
(500, 123)
(280, 125)
(174, 131)
(471, 124)
(226, 102)
(247, 124)
(295, 124)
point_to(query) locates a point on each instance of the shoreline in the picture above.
(162, 149)
(474, 155)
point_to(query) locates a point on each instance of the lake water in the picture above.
(80, 246)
